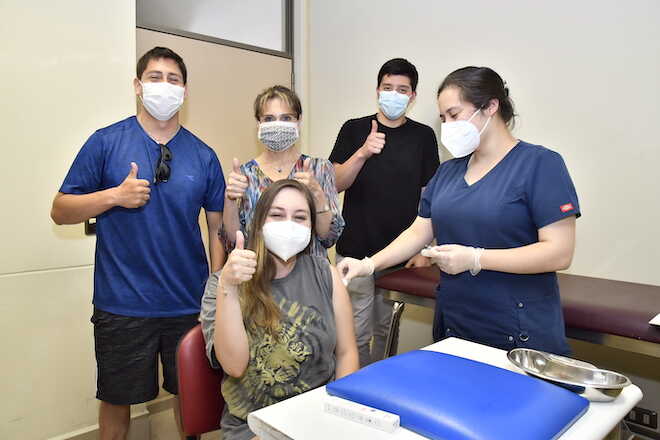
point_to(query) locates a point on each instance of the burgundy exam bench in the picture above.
(612, 313)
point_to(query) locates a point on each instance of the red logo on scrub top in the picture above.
(567, 207)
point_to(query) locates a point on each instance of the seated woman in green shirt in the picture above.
(276, 319)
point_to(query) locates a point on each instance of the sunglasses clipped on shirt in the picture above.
(162, 172)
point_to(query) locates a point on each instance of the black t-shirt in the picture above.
(383, 200)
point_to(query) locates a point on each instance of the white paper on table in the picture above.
(656, 320)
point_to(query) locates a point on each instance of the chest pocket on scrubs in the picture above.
(514, 198)
(515, 219)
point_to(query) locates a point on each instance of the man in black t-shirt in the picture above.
(382, 161)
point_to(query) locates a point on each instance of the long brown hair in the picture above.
(257, 304)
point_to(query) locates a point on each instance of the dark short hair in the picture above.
(478, 85)
(285, 94)
(399, 66)
(156, 54)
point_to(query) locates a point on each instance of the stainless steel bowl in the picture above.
(580, 377)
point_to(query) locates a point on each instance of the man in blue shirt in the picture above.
(145, 180)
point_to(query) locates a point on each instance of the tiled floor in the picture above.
(163, 427)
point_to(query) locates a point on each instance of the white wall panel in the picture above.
(583, 75)
(48, 370)
(67, 70)
(255, 22)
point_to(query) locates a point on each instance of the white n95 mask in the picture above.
(162, 99)
(286, 238)
(392, 103)
(461, 137)
(278, 135)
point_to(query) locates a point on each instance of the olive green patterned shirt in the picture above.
(300, 359)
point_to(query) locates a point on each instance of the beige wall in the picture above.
(583, 75)
(66, 71)
(222, 84)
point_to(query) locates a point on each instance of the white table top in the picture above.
(302, 416)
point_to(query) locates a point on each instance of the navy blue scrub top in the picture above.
(528, 189)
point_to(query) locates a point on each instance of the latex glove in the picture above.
(418, 261)
(350, 268)
(237, 183)
(241, 264)
(454, 258)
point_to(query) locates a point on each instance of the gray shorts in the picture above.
(127, 350)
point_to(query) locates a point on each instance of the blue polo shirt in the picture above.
(150, 261)
(528, 189)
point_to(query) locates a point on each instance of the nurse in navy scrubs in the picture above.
(503, 215)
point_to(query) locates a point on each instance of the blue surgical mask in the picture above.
(392, 103)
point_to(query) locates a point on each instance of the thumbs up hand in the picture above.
(237, 183)
(375, 141)
(306, 177)
(307, 165)
(241, 264)
(133, 192)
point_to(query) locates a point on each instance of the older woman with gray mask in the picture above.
(278, 113)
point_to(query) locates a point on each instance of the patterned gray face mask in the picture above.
(278, 135)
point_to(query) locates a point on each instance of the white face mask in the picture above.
(461, 137)
(286, 238)
(278, 135)
(162, 99)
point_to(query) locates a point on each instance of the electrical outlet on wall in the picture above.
(644, 422)
(90, 226)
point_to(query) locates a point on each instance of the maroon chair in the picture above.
(199, 386)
